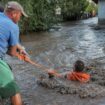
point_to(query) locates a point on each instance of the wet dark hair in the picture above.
(79, 66)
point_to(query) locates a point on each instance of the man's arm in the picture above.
(17, 49)
(12, 51)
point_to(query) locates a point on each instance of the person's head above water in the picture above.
(79, 66)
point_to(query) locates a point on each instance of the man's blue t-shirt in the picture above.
(9, 34)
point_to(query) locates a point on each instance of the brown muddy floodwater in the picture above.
(59, 49)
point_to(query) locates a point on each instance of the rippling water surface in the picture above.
(59, 49)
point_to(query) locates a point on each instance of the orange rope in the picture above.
(27, 59)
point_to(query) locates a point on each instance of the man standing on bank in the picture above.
(9, 43)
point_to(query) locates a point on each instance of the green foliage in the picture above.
(72, 9)
(92, 6)
(42, 12)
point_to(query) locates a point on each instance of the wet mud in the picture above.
(94, 88)
(82, 90)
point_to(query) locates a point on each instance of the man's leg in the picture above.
(16, 100)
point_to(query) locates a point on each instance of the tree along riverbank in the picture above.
(43, 14)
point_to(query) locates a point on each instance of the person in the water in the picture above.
(77, 74)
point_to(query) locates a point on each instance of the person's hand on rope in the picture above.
(21, 50)
(22, 54)
(53, 73)
(23, 57)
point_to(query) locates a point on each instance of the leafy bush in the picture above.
(73, 9)
(42, 12)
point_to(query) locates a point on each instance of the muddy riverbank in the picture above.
(59, 50)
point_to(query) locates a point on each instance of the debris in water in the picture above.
(83, 90)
